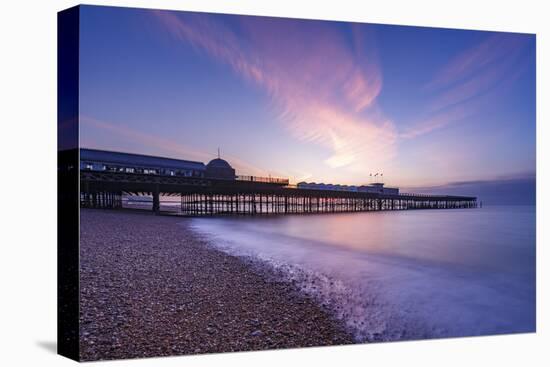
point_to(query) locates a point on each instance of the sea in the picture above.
(400, 275)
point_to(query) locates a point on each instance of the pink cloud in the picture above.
(323, 86)
(437, 121)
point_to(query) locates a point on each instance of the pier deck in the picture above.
(248, 196)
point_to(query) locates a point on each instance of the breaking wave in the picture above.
(407, 283)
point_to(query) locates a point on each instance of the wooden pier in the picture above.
(248, 196)
(296, 201)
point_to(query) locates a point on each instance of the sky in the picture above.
(316, 101)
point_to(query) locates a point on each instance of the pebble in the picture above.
(257, 333)
(151, 287)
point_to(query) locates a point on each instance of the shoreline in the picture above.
(151, 287)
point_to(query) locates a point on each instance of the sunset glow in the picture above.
(310, 100)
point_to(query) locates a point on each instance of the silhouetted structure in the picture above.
(219, 168)
(107, 161)
(214, 189)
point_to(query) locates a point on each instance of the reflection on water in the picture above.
(402, 275)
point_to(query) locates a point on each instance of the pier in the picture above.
(297, 201)
(215, 190)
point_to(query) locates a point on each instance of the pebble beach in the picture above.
(150, 287)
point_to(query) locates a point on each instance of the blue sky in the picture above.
(310, 100)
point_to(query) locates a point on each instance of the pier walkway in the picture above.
(248, 195)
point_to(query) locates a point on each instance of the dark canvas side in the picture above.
(67, 185)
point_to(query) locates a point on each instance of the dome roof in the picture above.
(218, 163)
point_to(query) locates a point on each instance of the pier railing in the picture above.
(273, 180)
(423, 195)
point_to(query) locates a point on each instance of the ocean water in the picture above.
(400, 275)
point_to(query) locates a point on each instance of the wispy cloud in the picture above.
(498, 47)
(436, 121)
(323, 84)
(472, 77)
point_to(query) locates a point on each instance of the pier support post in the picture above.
(156, 200)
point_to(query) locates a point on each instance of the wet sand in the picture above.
(150, 287)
